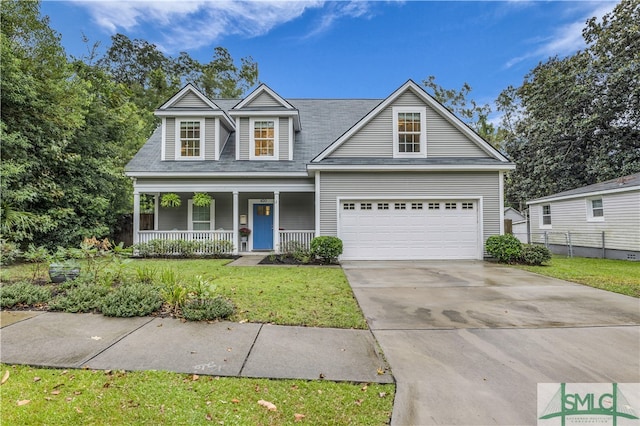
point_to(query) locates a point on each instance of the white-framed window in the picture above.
(595, 210)
(409, 132)
(349, 206)
(545, 216)
(201, 218)
(263, 139)
(190, 139)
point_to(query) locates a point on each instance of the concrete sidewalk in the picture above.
(63, 340)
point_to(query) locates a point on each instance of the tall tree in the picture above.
(576, 121)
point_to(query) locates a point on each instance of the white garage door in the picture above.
(409, 229)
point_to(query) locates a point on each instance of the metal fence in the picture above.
(568, 243)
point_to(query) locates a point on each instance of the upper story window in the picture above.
(545, 217)
(595, 210)
(409, 132)
(264, 139)
(190, 139)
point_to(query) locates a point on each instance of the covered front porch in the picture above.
(240, 221)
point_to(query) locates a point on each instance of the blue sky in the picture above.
(358, 49)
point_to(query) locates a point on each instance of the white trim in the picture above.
(584, 195)
(178, 146)
(276, 221)
(136, 214)
(268, 113)
(163, 155)
(237, 138)
(172, 175)
(250, 204)
(317, 206)
(236, 225)
(422, 110)
(589, 205)
(501, 200)
(409, 167)
(182, 92)
(217, 138)
(291, 137)
(276, 139)
(212, 215)
(427, 99)
(259, 90)
(479, 206)
(156, 211)
(190, 113)
(214, 187)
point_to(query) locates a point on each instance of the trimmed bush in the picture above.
(297, 251)
(326, 248)
(535, 254)
(23, 293)
(207, 309)
(131, 300)
(505, 248)
(184, 248)
(85, 297)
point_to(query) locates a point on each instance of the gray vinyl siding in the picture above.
(297, 211)
(210, 138)
(170, 135)
(376, 138)
(263, 100)
(283, 136)
(408, 186)
(174, 218)
(621, 223)
(190, 100)
(244, 138)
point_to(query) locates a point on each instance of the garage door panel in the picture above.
(421, 230)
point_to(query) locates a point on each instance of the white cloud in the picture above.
(567, 39)
(186, 25)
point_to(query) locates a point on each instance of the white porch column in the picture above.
(236, 221)
(156, 211)
(276, 221)
(136, 216)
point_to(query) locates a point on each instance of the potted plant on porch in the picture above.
(244, 233)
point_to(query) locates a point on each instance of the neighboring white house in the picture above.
(518, 224)
(600, 220)
(394, 178)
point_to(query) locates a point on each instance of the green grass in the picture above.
(309, 296)
(141, 398)
(618, 276)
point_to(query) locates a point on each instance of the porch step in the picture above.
(247, 260)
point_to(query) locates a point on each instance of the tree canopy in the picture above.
(575, 121)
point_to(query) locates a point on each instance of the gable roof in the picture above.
(263, 88)
(171, 109)
(621, 184)
(285, 108)
(427, 99)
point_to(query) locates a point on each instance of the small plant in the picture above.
(131, 300)
(9, 252)
(201, 199)
(505, 248)
(23, 293)
(535, 254)
(146, 275)
(84, 297)
(202, 288)
(244, 232)
(170, 200)
(207, 309)
(39, 257)
(326, 248)
(297, 251)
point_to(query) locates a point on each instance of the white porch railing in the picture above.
(207, 238)
(301, 237)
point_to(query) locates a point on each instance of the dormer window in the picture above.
(409, 132)
(190, 139)
(264, 139)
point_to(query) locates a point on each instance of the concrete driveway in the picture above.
(468, 341)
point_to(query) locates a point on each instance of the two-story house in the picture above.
(394, 178)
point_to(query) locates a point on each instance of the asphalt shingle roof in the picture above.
(631, 181)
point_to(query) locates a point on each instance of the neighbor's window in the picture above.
(190, 137)
(546, 215)
(409, 132)
(596, 209)
(264, 138)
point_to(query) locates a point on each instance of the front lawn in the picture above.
(618, 276)
(56, 397)
(308, 296)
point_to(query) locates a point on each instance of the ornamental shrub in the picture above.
(23, 293)
(84, 297)
(535, 254)
(131, 300)
(505, 248)
(9, 252)
(326, 248)
(207, 309)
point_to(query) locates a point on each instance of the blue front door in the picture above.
(263, 227)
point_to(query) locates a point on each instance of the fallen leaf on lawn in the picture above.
(208, 417)
(235, 401)
(243, 321)
(195, 377)
(380, 370)
(382, 394)
(48, 398)
(96, 338)
(24, 402)
(79, 411)
(77, 393)
(64, 371)
(359, 401)
(298, 417)
(319, 391)
(5, 377)
(294, 387)
(268, 405)
(162, 409)
(69, 399)
(55, 392)
(364, 388)
(321, 376)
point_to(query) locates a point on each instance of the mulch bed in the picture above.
(280, 259)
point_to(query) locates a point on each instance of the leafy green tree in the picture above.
(576, 121)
